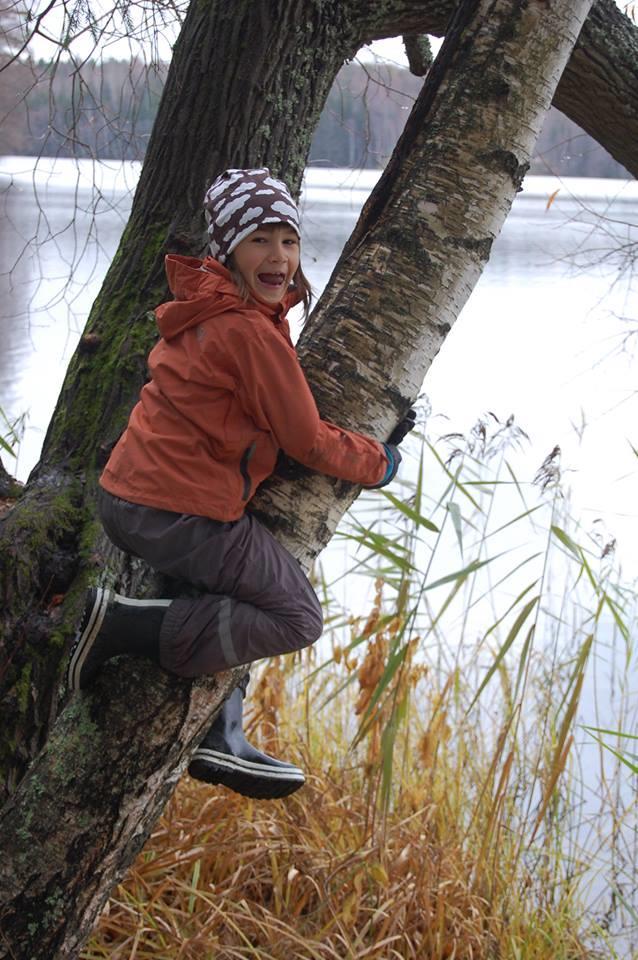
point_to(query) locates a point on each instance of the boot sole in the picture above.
(86, 635)
(250, 779)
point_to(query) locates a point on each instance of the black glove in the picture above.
(403, 428)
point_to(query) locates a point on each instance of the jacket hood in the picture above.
(203, 289)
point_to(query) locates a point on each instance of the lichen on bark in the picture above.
(397, 327)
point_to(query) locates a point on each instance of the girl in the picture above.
(226, 393)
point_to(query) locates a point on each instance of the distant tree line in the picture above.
(103, 110)
(107, 109)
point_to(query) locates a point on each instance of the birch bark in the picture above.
(79, 816)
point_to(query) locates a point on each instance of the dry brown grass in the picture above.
(442, 817)
(323, 874)
(306, 877)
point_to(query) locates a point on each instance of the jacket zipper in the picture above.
(243, 469)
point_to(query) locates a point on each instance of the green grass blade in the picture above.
(612, 733)
(379, 545)
(620, 623)
(417, 519)
(5, 446)
(388, 742)
(418, 493)
(197, 866)
(395, 661)
(624, 759)
(457, 522)
(454, 478)
(512, 606)
(524, 659)
(567, 542)
(511, 637)
(464, 573)
(520, 516)
(446, 603)
(579, 668)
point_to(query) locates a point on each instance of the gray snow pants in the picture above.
(255, 600)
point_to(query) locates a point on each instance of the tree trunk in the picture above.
(241, 91)
(80, 814)
(284, 77)
(599, 86)
(84, 811)
(423, 239)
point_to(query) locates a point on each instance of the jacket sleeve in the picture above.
(275, 393)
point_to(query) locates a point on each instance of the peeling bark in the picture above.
(290, 88)
(425, 235)
(417, 252)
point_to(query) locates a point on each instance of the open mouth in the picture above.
(271, 279)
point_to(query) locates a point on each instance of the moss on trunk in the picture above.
(113, 756)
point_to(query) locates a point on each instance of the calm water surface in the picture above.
(548, 335)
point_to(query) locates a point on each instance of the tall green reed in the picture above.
(456, 803)
(496, 622)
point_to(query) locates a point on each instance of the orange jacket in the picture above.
(226, 393)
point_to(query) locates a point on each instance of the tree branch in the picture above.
(599, 86)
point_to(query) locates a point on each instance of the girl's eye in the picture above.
(289, 241)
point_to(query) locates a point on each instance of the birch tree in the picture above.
(245, 88)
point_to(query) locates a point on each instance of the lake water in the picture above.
(548, 335)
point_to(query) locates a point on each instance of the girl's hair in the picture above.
(299, 281)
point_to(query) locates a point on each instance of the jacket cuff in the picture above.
(394, 459)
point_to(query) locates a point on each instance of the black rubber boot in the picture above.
(111, 626)
(225, 757)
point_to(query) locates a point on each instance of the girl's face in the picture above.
(268, 260)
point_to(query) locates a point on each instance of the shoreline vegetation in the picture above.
(468, 792)
(468, 721)
(106, 110)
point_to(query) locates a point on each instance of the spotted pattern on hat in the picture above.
(229, 218)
